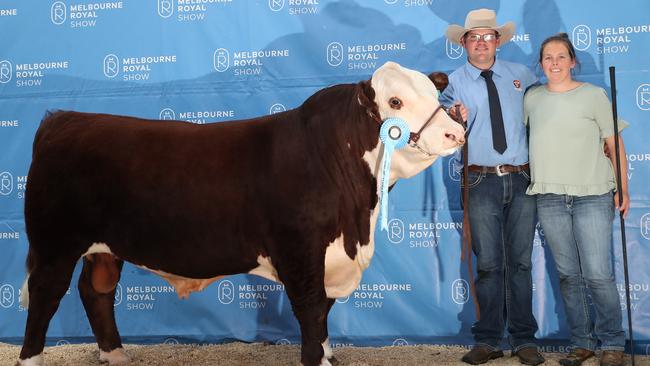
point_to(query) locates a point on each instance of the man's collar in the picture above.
(475, 72)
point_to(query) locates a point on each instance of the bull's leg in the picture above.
(312, 318)
(310, 306)
(47, 284)
(326, 343)
(97, 283)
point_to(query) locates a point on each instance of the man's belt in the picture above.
(499, 169)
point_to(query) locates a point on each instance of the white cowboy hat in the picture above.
(480, 19)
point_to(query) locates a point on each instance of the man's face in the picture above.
(481, 51)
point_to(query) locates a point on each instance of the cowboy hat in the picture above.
(480, 19)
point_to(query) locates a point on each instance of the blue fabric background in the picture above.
(211, 61)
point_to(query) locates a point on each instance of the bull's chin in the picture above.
(442, 153)
(449, 151)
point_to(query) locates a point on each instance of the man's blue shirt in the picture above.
(467, 86)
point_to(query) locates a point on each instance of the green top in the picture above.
(567, 137)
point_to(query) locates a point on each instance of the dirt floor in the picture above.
(242, 354)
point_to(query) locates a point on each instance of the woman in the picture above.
(572, 162)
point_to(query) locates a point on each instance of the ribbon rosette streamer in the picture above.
(394, 134)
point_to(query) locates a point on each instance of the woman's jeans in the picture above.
(502, 220)
(579, 233)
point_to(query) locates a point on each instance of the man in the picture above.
(502, 217)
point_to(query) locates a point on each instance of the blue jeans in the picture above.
(502, 220)
(579, 233)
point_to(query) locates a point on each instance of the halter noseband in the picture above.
(414, 137)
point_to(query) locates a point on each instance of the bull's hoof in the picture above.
(32, 361)
(323, 362)
(115, 357)
(333, 361)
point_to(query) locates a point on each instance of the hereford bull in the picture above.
(291, 197)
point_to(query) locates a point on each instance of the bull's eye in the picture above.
(395, 103)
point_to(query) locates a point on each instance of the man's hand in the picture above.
(463, 111)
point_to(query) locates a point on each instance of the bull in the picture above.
(291, 197)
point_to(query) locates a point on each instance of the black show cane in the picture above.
(619, 187)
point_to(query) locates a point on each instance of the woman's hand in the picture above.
(623, 208)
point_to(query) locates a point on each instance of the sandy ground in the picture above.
(241, 354)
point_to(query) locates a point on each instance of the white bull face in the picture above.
(411, 96)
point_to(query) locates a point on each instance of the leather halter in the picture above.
(414, 136)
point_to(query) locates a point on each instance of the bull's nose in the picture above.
(458, 138)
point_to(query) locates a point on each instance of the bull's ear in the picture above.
(366, 97)
(439, 79)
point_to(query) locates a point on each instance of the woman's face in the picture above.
(557, 62)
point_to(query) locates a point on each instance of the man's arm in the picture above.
(448, 96)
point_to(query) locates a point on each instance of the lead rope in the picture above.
(466, 244)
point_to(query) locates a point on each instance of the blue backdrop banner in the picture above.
(208, 61)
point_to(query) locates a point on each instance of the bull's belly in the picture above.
(342, 273)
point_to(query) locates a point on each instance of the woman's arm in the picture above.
(611, 153)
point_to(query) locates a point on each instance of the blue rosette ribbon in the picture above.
(394, 134)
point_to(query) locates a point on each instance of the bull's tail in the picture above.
(49, 124)
(43, 128)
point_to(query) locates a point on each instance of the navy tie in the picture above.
(498, 131)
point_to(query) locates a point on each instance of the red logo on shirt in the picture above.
(517, 84)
